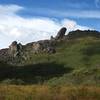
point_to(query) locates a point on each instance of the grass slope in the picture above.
(77, 61)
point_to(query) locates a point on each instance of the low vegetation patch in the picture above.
(43, 92)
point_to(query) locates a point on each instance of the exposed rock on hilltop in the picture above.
(37, 47)
(64, 59)
(86, 33)
(17, 52)
(45, 46)
(4, 55)
(61, 33)
(15, 49)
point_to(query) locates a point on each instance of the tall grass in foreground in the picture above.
(38, 92)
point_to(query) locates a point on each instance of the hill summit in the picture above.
(63, 59)
(17, 50)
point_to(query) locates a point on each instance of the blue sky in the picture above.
(61, 9)
(39, 19)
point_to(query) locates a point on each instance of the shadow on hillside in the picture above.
(37, 73)
(93, 49)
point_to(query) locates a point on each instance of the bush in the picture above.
(13, 81)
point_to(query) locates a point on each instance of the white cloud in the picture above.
(14, 27)
(72, 25)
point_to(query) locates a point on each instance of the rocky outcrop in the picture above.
(4, 56)
(45, 46)
(24, 51)
(18, 53)
(61, 33)
(48, 45)
(50, 50)
(37, 47)
(15, 49)
(80, 34)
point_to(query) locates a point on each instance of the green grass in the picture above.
(72, 73)
(76, 61)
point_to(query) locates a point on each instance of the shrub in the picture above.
(13, 81)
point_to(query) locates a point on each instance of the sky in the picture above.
(32, 20)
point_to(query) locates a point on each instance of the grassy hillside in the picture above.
(76, 61)
(72, 73)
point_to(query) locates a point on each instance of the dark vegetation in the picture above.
(81, 34)
(29, 74)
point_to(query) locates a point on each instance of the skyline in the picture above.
(26, 21)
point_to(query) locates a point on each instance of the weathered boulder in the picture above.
(45, 43)
(4, 55)
(52, 38)
(15, 49)
(37, 47)
(61, 33)
(50, 50)
(45, 46)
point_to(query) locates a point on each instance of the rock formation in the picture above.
(51, 50)
(37, 47)
(61, 33)
(45, 46)
(14, 49)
